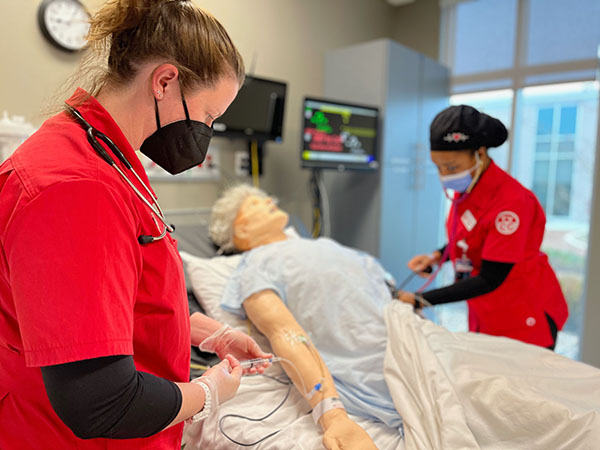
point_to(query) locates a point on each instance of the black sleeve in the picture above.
(108, 398)
(491, 276)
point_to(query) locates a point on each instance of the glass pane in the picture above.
(545, 116)
(542, 147)
(566, 146)
(540, 181)
(562, 187)
(569, 181)
(562, 30)
(568, 117)
(476, 34)
(497, 104)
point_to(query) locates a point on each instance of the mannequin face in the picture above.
(258, 222)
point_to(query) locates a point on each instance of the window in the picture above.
(553, 158)
(475, 37)
(534, 67)
(562, 30)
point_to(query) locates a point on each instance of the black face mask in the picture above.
(178, 146)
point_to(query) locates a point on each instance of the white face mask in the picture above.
(460, 182)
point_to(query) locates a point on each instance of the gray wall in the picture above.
(417, 26)
(281, 39)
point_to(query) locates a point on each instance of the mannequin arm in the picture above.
(288, 340)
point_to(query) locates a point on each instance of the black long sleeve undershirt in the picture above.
(491, 276)
(108, 398)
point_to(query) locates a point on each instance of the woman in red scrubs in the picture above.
(94, 325)
(495, 230)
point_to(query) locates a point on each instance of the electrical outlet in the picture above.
(241, 163)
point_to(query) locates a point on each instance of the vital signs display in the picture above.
(339, 135)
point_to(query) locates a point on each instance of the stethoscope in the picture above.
(92, 136)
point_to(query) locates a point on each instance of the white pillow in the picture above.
(208, 277)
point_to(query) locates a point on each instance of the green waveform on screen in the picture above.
(321, 122)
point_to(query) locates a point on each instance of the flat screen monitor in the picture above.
(339, 135)
(256, 112)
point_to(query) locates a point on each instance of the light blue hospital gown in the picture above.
(337, 295)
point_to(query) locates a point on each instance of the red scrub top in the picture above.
(74, 281)
(502, 221)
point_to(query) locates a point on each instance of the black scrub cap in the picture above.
(462, 127)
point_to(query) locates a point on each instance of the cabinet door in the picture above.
(428, 192)
(411, 192)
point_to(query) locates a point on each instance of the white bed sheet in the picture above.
(453, 390)
(257, 397)
(473, 391)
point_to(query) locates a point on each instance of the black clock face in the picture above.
(65, 23)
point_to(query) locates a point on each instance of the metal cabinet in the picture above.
(397, 211)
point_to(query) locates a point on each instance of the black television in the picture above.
(256, 113)
(339, 135)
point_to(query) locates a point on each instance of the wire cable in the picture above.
(259, 419)
(254, 163)
(315, 195)
(325, 202)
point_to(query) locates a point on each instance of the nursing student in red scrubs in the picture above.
(95, 330)
(495, 230)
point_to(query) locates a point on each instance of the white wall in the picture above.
(286, 38)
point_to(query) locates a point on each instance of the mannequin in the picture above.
(259, 222)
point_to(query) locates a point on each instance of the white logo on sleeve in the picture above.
(507, 222)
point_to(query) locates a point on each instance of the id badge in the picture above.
(463, 268)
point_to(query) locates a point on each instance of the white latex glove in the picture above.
(227, 341)
(223, 380)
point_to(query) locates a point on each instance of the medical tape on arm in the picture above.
(325, 405)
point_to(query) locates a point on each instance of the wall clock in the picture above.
(65, 23)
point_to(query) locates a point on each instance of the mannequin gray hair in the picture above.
(224, 212)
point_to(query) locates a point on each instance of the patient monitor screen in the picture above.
(339, 136)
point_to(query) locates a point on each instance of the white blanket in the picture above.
(453, 391)
(472, 391)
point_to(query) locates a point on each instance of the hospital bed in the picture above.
(453, 390)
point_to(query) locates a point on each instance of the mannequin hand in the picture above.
(406, 297)
(344, 434)
(223, 379)
(420, 263)
(226, 341)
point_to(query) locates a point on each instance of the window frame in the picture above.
(515, 78)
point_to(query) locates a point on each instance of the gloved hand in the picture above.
(226, 341)
(345, 434)
(421, 263)
(223, 380)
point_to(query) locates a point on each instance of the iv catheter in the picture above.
(250, 363)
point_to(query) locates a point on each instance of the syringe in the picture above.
(250, 363)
